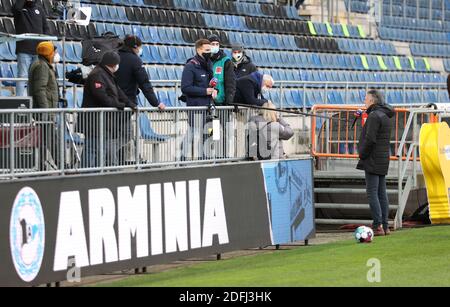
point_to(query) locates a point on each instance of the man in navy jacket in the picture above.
(253, 89)
(197, 75)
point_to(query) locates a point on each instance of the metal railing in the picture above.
(429, 10)
(283, 86)
(68, 141)
(338, 136)
(409, 167)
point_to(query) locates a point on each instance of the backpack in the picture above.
(253, 146)
(93, 49)
(422, 215)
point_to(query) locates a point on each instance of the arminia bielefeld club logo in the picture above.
(27, 234)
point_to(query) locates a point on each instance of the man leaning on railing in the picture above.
(102, 91)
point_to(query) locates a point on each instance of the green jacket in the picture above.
(42, 85)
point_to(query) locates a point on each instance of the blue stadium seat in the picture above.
(168, 35)
(147, 132)
(6, 72)
(163, 72)
(171, 75)
(6, 53)
(70, 53)
(172, 102)
(155, 55)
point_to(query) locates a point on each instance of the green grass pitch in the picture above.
(415, 257)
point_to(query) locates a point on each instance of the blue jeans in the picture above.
(91, 155)
(378, 199)
(24, 62)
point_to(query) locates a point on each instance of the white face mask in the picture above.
(215, 49)
(56, 58)
(115, 69)
(264, 90)
(238, 56)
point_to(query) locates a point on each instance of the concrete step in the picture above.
(344, 222)
(347, 191)
(348, 206)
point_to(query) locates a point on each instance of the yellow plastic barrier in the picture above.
(435, 159)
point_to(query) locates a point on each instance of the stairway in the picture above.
(341, 199)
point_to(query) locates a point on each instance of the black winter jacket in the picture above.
(132, 76)
(374, 141)
(229, 78)
(29, 18)
(244, 67)
(102, 91)
(248, 89)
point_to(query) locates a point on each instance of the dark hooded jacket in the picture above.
(248, 90)
(244, 67)
(132, 76)
(374, 141)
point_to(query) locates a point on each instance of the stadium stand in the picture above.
(279, 41)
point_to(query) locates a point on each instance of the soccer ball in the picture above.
(363, 234)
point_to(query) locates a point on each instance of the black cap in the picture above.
(237, 48)
(110, 58)
(132, 41)
(214, 38)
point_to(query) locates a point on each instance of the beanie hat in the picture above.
(132, 41)
(47, 50)
(214, 38)
(110, 58)
(237, 48)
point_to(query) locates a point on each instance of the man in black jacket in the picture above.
(374, 154)
(132, 75)
(102, 91)
(28, 18)
(243, 65)
(252, 88)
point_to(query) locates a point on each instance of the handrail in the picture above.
(408, 125)
(346, 140)
(300, 82)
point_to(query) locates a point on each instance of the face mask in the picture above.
(215, 49)
(115, 69)
(56, 58)
(237, 56)
(207, 55)
(264, 90)
(141, 51)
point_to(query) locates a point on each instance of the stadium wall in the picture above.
(110, 222)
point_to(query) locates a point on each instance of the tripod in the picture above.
(64, 6)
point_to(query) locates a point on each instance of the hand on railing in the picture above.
(161, 106)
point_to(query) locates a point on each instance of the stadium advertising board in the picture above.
(105, 223)
(291, 199)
